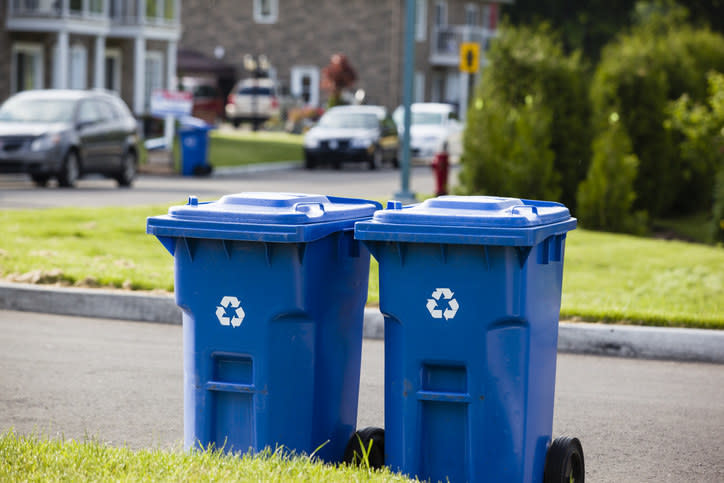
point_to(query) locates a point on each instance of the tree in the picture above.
(527, 131)
(336, 77)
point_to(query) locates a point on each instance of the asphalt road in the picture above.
(121, 383)
(17, 191)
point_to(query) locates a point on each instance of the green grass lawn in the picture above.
(607, 277)
(30, 458)
(233, 148)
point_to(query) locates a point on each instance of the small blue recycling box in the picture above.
(470, 288)
(194, 141)
(272, 287)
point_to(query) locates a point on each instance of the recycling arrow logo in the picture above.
(230, 305)
(434, 306)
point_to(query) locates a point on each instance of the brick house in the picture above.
(128, 46)
(299, 37)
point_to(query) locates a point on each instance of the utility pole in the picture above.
(405, 195)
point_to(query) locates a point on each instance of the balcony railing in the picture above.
(120, 12)
(84, 9)
(445, 42)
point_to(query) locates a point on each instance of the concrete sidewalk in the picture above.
(600, 339)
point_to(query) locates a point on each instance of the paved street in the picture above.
(121, 382)
(352, 181)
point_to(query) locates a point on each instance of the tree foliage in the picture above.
(639, 74)
(527, 131)
(337, 76)
(606, 197)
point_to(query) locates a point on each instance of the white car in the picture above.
(252, 100)
(433, 126)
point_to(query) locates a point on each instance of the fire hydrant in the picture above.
(441, 166)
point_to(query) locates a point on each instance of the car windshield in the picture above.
(255, 91)
(421, 118)
(349, 120)
(37, 110)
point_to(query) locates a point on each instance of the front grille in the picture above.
(10, 144)
(335, 144)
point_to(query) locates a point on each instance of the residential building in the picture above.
(300, 36)
(128, 46)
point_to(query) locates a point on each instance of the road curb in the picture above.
(691, 345)
(225, 171)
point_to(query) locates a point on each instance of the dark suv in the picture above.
(65, 134)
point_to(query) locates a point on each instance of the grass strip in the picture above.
(234, 148)
(32, 458)
(607, 277)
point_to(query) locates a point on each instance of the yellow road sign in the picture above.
(469, 57)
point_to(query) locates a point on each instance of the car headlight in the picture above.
(45, 143)
(363, 143)
(311, 142)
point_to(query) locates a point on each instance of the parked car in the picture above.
(65, 134)
(352, 133)
(208, 102)
(433, 126)
(252, 100)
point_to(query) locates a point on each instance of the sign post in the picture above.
(405, 195)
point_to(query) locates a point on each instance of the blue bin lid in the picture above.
(469, 220)
(266, 217)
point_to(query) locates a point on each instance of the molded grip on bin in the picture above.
(516, 209)
(313, 209)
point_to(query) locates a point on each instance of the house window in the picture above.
(305, 84)
(419, 87)
(440, 14)
(154, 75)
(471, 15)
(26, 67)
(421, 20)
(266, 11)
(486, 16)
(113, 70)
(78, 67)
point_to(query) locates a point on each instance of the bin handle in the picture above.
(516, 209)
(310, 208)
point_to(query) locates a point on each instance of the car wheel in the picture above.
(236, 123)
(40, 180)
(128, 170)
(309, 162)
(70, 171)
(376, 159)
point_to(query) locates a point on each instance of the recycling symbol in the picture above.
(237, 312)
(434, 307)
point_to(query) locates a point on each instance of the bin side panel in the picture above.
(501, 328)
(337, 271)
(289, 316)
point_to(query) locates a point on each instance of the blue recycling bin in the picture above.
(470, 290)
(194, 143)
(272, 287)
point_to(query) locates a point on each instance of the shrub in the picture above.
(661, 59)
(702, 147)
(606, 197)
(527, 131)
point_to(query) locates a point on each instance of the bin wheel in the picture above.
(40, 180)
(359, 444)
(564, 462)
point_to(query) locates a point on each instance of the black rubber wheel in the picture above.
(309, 162)
(70, 171)
(564, 462)
(40, 180)
(359, 444)
(127, 173)
(375, 160)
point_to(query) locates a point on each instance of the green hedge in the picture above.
(527, 131)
